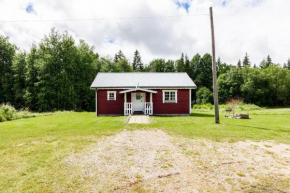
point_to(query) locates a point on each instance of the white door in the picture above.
(138, 100)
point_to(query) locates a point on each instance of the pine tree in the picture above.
(137, 62)
(239, 64)
(119, 56)
(266, 62)
(246, 61)
(287, 65)
(186, 64)
(180, 64)
(255, 66)
(269, 61)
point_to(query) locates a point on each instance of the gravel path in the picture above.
(153, 161)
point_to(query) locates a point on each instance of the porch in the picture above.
(141, 101)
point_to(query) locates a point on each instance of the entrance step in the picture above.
(139, 119)
(138, 113)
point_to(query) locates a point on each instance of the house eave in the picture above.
(146, 87)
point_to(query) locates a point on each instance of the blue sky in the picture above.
(29, 8)
(253, 26)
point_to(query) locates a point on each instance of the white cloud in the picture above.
(258, 27)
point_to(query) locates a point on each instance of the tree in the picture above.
(204, 95)
(229, 84)
(186, 64)
(137, 62)
(169, 66)
(266, 63)
(30, 96)
(195, 68)
(18, 69)
(7, 52)
(222, 67)
(205, 71)
(287, 65)
(246, 61)
(180, 66)
(269, 61)
(239, 65)
(124, 65)
(158, 65)
(86, 70)
(119, 56)
(58, 72)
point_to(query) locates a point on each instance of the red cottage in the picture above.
(143, 93)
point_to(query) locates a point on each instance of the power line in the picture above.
(98, 19)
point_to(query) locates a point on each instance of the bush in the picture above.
(7, 112)
(204, 96)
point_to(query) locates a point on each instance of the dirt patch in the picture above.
(153, 161)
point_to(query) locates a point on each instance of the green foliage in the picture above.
(264, 87)
(7, 112)
(31, 78)
(204, 96)
(241, 107)
(124, 65)
(266, 63)
(180, 64)
(246, 61)
(18, 69)
(287, 65)
(7, 52)
(119, 56)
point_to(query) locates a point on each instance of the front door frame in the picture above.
(143, 100)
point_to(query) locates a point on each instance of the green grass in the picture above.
(31, 149)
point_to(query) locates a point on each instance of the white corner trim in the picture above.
(189, 101)
(163, 96)
(108, 95)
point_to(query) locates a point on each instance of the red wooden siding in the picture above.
(110, 107)
(181, 107)
(116, 107)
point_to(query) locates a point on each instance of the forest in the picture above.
(56, 74)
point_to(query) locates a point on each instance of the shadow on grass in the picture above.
(201, 115)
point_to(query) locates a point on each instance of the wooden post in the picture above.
(214, 76)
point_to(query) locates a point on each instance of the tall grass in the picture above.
(241, 107)
(8, 112)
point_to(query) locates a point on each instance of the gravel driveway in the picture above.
(153, 161)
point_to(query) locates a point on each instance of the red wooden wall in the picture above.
(116, 107)
(181, 107)
(110, 107)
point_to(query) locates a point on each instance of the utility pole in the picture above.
(214, 76)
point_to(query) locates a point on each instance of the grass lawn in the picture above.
(31, 149)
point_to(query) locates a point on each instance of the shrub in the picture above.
(7, 112)
(233, 104)
(204, 96)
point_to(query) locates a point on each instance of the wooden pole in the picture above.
(214, 76)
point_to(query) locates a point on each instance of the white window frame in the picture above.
(108, 95)
(171, 101)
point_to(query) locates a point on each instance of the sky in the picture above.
(157, 28)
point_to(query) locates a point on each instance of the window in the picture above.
(111, 95)
(169, 96)
(138, 96)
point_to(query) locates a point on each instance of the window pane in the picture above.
(138, 96)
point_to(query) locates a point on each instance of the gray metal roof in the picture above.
(143, 79)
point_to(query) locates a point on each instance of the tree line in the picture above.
(56, 74)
